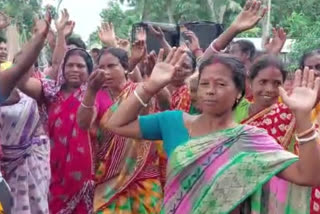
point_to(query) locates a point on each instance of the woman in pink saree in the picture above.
(71, 188)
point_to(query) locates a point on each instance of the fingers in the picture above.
(255, 7)
(305, 76)
(317, 84)
(297, 79)
(160, 56)
(247, 6)
(170, 55)
(176, 56)
(310, 83)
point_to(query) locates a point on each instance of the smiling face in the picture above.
(217, 92)
(114, 71)
(313, 62)
(3, 52)
(265, 86)
(75, 71)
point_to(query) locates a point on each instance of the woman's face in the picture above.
(265, 86)
(217, 92)
(182, 74)
(76, 71)
(114, 71)
(313, 62)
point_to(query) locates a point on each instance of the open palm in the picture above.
(305, 90)
(250, 16)
(164, 71)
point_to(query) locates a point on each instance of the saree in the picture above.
(128, 174)
(315, 195)
(181, 99)
(72, 184)
(25, 160)
(232, 170)
(279, 122)
(71, 161)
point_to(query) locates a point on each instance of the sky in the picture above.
(84, 12)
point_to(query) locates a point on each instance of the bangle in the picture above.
(139, 98)
(302, 141)
(213, 47)
(87, 107)
(306, 132)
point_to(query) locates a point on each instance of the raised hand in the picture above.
(250, 16)
(42, 26)
(4, 20)
(138, 51)
(193, 43)
(148, 64)
(304, 94)
(141, 34)
(123, 44)
(96, 80)
(156, 31)
(63, 22)
(276, 44)
(164, 70)
(107, 35)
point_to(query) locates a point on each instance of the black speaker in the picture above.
(206, 31)
(171, 32)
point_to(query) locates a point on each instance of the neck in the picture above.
(69, 88)
(116, 90)
(255, 108)
(217, 122)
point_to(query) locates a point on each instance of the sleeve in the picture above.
(150, 126)
(50, 89)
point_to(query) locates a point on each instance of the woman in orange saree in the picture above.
(129, 178)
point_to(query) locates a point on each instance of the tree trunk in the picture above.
(144, 10)
(266, 23)
(13, 41)
(169, 11)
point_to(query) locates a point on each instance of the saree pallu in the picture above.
(233, 170)
(72, 184)
(181, 99)
(279, 122)
(25, 160)
(315, 195)
(128, 175)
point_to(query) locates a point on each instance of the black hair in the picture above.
(121, 54)
(193, 60)
(95, 50)
(77, 41)
(236, 66)
(79, 52)
(306, 55)
(247, 47)
(3, 40)
(265, 61)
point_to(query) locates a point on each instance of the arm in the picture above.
(64, 28)
(87, 112)
(10, 77)
(306, 170)
(247, 19)
(125, 120)
(158, 33)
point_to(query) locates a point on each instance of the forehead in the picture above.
(269, 73)
(108, 58)
(76, 59)
(3, 44)
(312, 60)
(217, 71)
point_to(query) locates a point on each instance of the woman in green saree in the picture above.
(216, 165)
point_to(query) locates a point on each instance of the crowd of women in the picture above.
(184, 130)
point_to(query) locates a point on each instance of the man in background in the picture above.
(4, 64)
